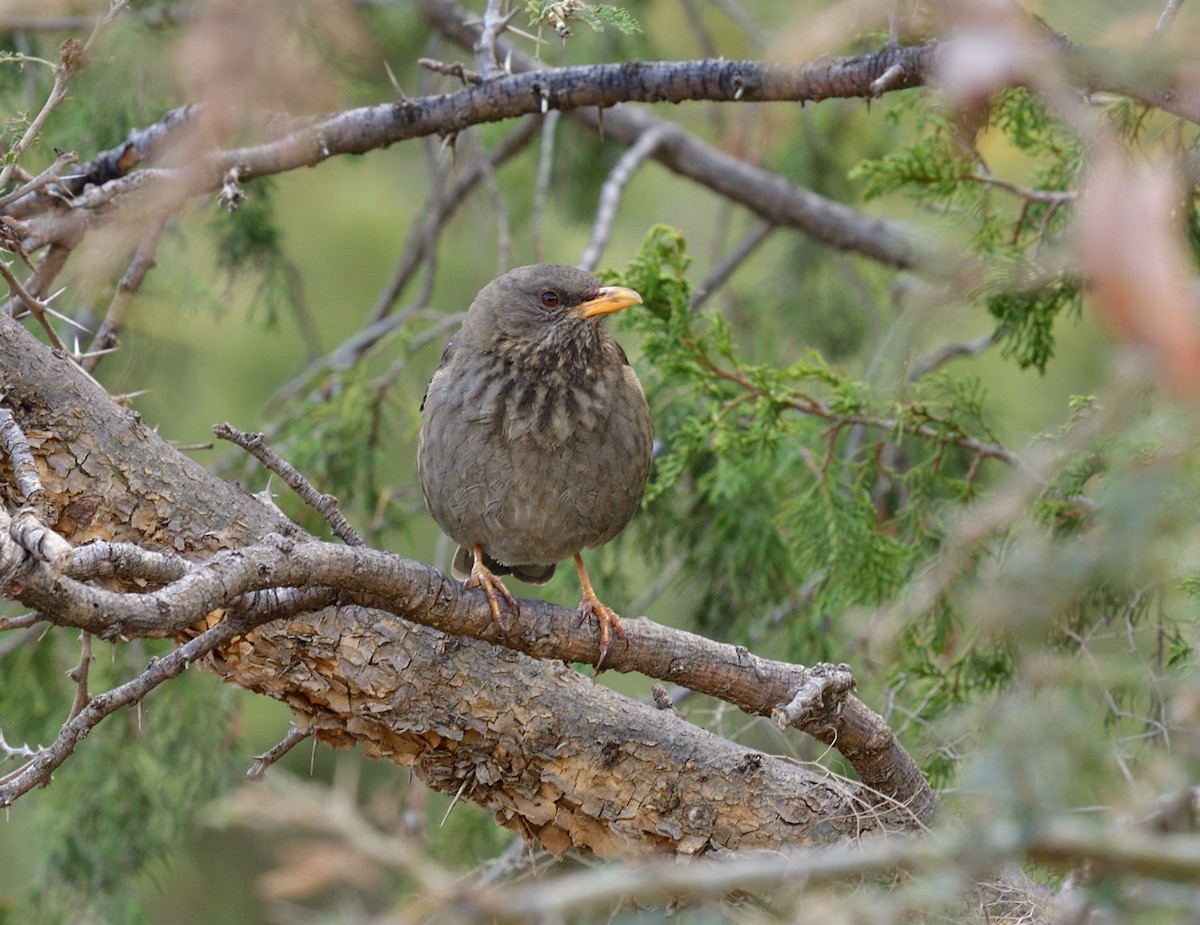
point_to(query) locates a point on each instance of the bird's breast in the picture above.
(535, 466)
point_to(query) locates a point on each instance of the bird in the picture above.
(535, 438)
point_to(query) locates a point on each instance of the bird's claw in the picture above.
(493, 587)
(609, 623)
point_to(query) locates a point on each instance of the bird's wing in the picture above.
(442, 364)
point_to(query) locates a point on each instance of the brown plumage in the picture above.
(535, 434)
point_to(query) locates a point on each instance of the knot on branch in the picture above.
(822, 692)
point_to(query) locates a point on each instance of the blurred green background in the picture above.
(208, 343)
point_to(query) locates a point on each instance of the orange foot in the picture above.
(493, 587)
(607, 618)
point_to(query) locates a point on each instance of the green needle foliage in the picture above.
(801, 500)
(1017, 236)
(793, 490)
(134, 790)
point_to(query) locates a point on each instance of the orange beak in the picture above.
(611, 299)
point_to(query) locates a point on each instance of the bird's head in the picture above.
(543, 305)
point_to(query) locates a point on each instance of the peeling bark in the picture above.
(553, 754)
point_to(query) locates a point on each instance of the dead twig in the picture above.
(325, 505)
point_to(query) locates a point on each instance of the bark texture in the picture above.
(553, 754)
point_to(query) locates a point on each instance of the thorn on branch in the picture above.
(34, 306)
(395, 83)
(825, 686)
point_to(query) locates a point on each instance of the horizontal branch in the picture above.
(419, 593)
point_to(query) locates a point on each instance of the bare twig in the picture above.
(15, 751)
(451, 69)
(495, 21)
(105, 340)
(504, 238)
(325, 505)
(541, 189)
(438, 210)
(295, 735)
(79, 674)
(734, 259)
(445, 324)
(50, 175)
(71, 60)
(942, 355)
(34, 306)
(610, 193)
(25, 621)
(37, 771)
(1165, 21)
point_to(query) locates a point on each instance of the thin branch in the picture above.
(504, 238)
(34, 306)
(71, 60)
(1165, 21)
(610, 194)
(440, 210)
(37, 771)
(324, 504)
(79, 674)
(970, 855)
(49, 175)
(942, 355)
(451, 69)
(806, 404)
(1054, 197)
(295, 735)
(246, 613)
(15, 751)
(25, 621)
(980, 522)
(143, 261)
(444, 325)
(541, 188)
(734, 259)
(495, 21)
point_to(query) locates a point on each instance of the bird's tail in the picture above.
(460, 568)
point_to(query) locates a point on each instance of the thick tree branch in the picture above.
(817, 701)
(553, 754)
(580, 89)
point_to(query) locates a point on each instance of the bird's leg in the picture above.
(482, 577)
(605, 616)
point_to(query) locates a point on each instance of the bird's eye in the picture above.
(549, 298)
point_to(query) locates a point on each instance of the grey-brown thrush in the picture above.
(535, 434)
